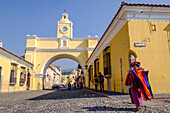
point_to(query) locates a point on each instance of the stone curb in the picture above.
(162, 98)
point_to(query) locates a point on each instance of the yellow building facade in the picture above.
(137, 32)
(16, 74)
(43, 51)
(68, 79)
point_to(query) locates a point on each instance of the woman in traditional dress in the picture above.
(134, 90)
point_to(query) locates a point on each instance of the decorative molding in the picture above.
(61, 50)
(103, 42)
(56, 39)
(31, 48)
(97, 57)
(15, 58)
(78, 39)
(147, 13)
(31, 37)
(64, 38)
(64, 49)
(105, 46)
(22, 66)
(14, 63)
(47, 39)
(89, 49)
(38, 76)
(127, 13)
(92, 38)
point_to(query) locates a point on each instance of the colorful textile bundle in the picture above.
(141, 78)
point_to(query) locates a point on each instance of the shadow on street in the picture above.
(65, 94)
(109, 93)
(105, 108)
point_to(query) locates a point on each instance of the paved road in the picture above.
(65, 101)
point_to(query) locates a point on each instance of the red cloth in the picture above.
(130, 80)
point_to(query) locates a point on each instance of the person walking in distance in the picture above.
(69, 86)
(101, 78)
(96, 81)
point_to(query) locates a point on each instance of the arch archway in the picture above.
(60, 56)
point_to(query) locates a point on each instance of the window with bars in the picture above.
(13, 75)
(97, 67)
(106, 62)
(22, 76)
(91, 72)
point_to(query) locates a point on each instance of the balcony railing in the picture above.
(13, 80)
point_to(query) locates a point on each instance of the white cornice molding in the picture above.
(92, 38)
(64, 38)
(31, 48)
(128, 13)
(87, 38)
(47, 39)
(62, 49)
(111, 32)
(89, 49)
(14, 58)
(38, 75)
(147, 13)
(31, 37)
(78, 39)
(97, 58)
(55, 39)
(105, 46)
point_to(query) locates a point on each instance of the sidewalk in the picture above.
(108, 94)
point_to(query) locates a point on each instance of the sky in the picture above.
(19, 18)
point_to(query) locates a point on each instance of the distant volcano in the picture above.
(67, 71)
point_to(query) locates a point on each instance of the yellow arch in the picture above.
(56, 57)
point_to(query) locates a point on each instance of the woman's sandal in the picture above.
(138, 107)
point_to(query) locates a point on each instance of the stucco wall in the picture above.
(155, 56)
(5, 63)
(120, 49)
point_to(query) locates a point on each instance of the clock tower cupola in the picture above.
(64, 27)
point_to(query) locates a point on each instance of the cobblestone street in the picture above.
(62, 100)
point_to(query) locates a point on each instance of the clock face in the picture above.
(64, 29)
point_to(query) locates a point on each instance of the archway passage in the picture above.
(41, 52)
(66, 65)
(53, 78)
(60, 56)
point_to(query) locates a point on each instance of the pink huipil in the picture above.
(134, 91)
